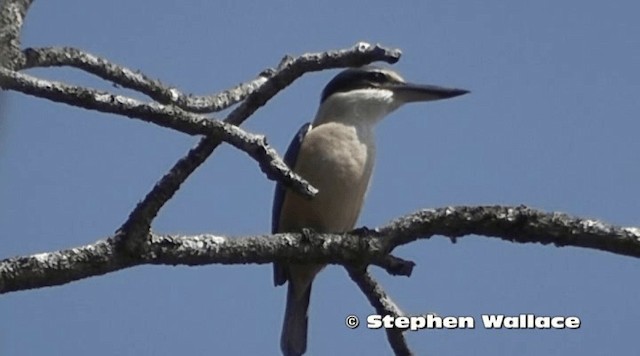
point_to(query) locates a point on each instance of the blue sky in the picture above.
(552, 123)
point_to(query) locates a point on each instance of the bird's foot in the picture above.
(307, 234)
(365, 232)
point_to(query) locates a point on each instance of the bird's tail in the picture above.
(293, 340)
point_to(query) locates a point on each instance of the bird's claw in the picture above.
(307, 233)
(364, 231)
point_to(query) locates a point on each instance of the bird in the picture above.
(335, 153)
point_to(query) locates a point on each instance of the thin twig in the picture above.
(383, 305)
(138, 81)
(163, 115)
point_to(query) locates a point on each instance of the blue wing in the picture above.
(280, 274)
(290, 158)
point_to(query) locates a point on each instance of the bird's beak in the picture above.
(409, 92)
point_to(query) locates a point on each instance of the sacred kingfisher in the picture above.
(336, 154)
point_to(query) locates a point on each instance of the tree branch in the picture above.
(516, 224)
(12, 14)
(135, 80)
(167, 116)
(383, 305)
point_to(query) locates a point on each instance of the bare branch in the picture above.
(60, 267)
(91, 99)
(104, 256)
(383, 305)
(395, 266)
(516, 224)
(162, 115)
(139, 221)
(12, 14)
(135, 80)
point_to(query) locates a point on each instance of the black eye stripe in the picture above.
(355, 78)
(378, 77)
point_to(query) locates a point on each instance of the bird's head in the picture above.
(370, 93)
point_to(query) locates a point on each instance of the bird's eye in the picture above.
(378, 77)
